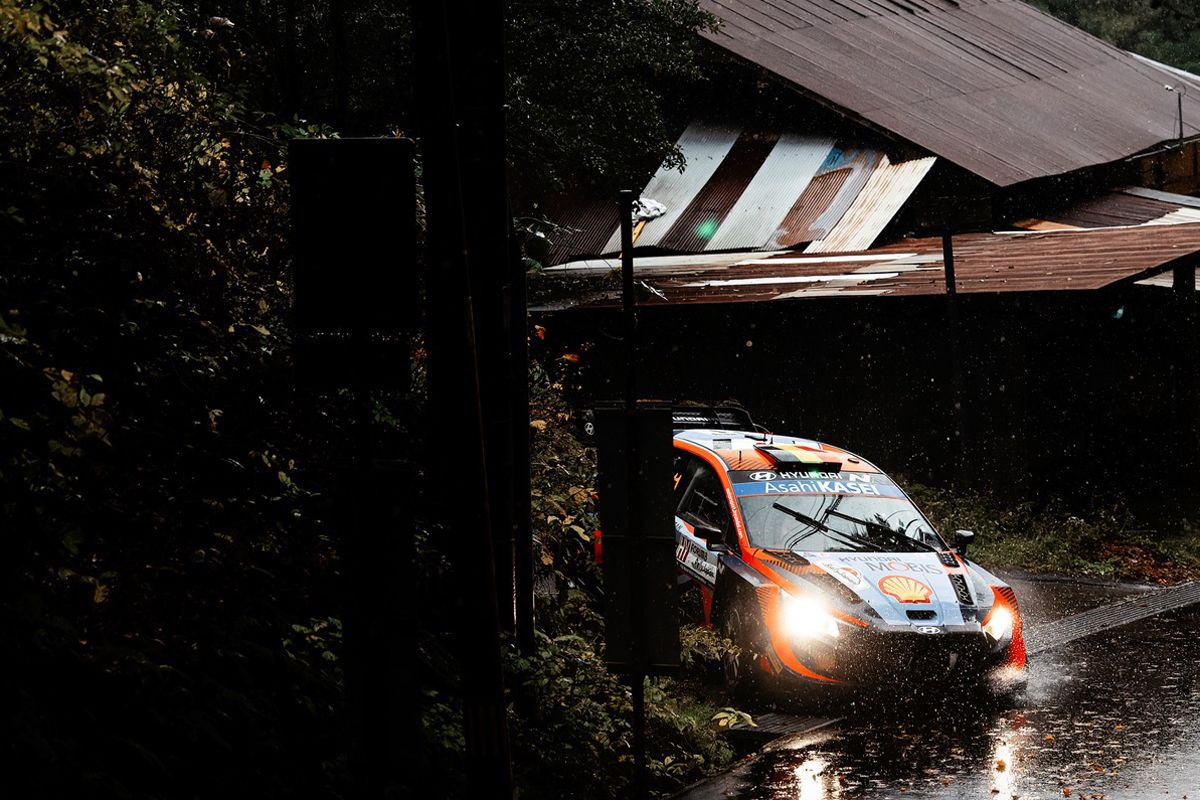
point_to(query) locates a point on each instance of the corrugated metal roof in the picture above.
(752, 190)
(1127, 206)
(1077, 260)
(995, 86)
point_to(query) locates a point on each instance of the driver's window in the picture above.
(704, 500)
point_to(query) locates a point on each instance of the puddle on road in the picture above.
(1114, 715)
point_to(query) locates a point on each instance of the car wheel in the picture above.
(739, 668)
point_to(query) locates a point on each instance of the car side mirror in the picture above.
(962, 541)
(712, 537)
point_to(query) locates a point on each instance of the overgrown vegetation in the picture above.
(170, 584)
(1165, 30)
(583, 710)
(1047, 536)
(170, 590)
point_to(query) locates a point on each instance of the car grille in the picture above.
(922, 614)
(961, 590)
(870, 656)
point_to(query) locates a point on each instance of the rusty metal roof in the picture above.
(996, 86)
(1131, 205)
(1074, 260)
(752, 190)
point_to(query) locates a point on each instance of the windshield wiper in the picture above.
(817, 524)
(886, 529)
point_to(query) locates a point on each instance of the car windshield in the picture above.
(846, 521)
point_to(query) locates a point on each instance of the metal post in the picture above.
(958, 379)
(522, 530)
(638, 673)
(628, 300)
(1187, 396)
(446, 64)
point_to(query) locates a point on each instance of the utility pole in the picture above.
(459, 87)
(958, 377)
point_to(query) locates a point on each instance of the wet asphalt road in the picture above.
(1113, 715)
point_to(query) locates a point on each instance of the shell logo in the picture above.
(905, 589)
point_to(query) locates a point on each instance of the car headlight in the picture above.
(999, 623)
(805, 618)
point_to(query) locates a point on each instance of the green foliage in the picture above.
(167, 568)
(570, 716)
(170, 579)
(1049, 537)
(1165, 30)
(587, 86)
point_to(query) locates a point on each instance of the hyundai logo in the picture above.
(928, 629)
(762, 476)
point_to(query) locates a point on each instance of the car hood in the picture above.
(907, 588)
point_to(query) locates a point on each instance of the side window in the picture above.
(685, 468)
(704, 500)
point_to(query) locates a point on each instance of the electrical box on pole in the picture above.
(354, 254)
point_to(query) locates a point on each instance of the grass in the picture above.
(1046, 536)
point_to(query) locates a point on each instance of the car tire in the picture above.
(740, 670)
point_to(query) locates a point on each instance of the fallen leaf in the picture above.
(539, 331)
(1066, 791)
(571, 357)
(538, 425)
(1001, 765)
(1049, 738)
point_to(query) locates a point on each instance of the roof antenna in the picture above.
(1179, 91)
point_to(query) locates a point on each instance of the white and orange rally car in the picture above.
(823, 571)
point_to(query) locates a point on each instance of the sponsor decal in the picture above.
(849, 574)
(737, 517)
(894, 565)
(928, 629)
(701, 567)
(818, 486)
(905, 589)
(806, 474)
(694, 557)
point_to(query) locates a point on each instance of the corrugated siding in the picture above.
(704, 146)
(860, 164)
(887, 190)
(768, 199)
(748, 190)
(796, 227)
(705, 214)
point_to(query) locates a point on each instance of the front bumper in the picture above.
(883, 656)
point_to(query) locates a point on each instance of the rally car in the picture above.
(824, 573)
